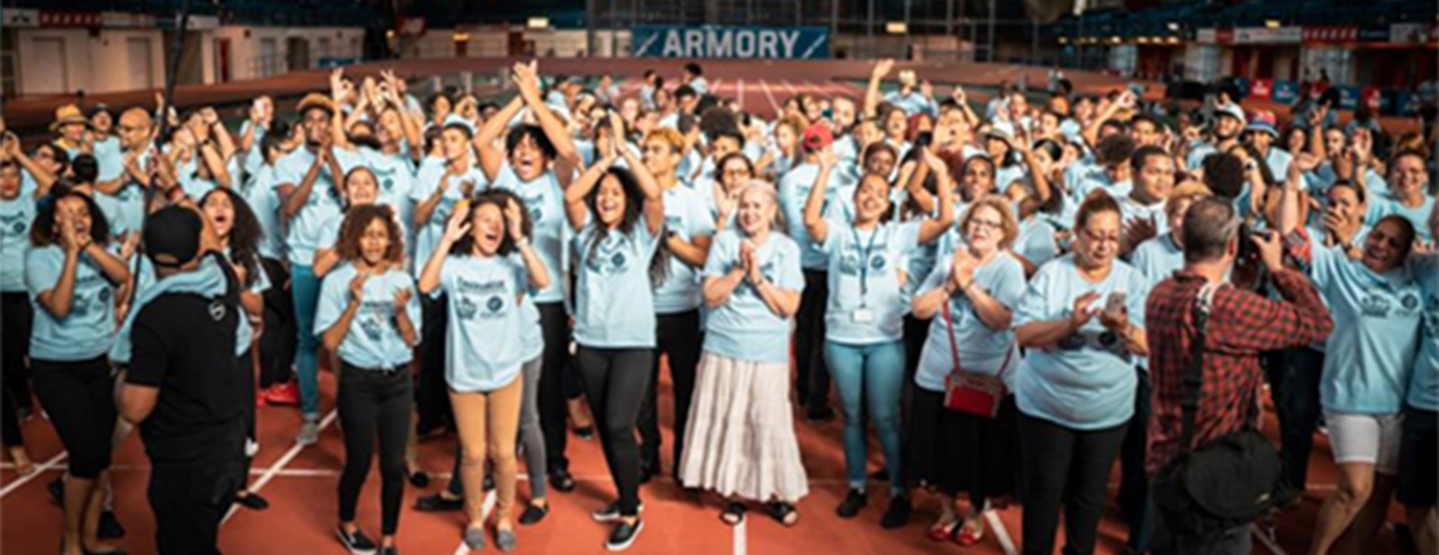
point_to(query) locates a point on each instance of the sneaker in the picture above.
(356, 543)
(436, 503)
(853, 502)
(309, 433)
(611, 512)
(110, 528)
(505, 540)
(262, 397)
(561, 479)
(898, 512)
(623, 535)
(533, 515)
(475, 538)
(419, 479)
(252, 448)
(287, 394)
(389, 550)
(252, 501)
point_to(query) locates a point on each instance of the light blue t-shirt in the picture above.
(128, 202)
(866, 267)
(1424, 383)
(307, 226)
(208, 281)
(1130, 209)
(614, 303)
(395, 175)
(1087, 380)
(687, 217)
(1036, 241)
(744, 327)
(484, 346)
(264, 201)
(1371, 351)
(794, 190)
(428, 235)
(374, 339)
(1157, 258)
(912, 103)
(1118, 190)
(982, 349)
(16, 216)
(545, 202)
(88, 330)
(1379, 207)
(254, 158)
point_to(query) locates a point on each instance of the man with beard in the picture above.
(1228, 121)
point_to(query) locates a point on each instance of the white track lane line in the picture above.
(39, 469)
(764, 86)
(1264, 539)
(741, 542)
(485, 509)
(790, 86)
(1000, 532)
(279, 465)
(739, 96)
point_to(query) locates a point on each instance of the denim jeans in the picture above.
(876, 372)
(306, 288)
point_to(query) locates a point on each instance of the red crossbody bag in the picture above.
(968, 392)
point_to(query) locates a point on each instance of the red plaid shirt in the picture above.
(1241, 325)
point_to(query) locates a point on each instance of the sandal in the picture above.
(969, 537)
(784, 513)
(733, 513)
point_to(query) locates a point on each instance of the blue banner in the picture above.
(1285, 92)
(803, 43)
(1348, 97)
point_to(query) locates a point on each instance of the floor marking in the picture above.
(279, 465)
(740, 96)
(741, 546)
(39, 469)
(1000, 532)
(790, 86)
(764, 86)
(485, 508)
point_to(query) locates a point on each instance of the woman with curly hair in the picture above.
(369, 317)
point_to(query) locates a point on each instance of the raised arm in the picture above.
(527, 77)
(814, 221)
(492, 158)
(871, 93)
(931, 229)
(539, 275)
(43, 178)
(293, 197)
(576, 211)
(457, 227)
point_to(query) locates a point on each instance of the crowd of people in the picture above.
(1013, 294)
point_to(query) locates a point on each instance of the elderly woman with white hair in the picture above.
(740, 439)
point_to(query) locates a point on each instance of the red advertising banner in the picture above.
(1262, 89)
(1370, 97)
(52, 18)
(1331, 33)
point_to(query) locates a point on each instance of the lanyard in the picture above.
(864, 262)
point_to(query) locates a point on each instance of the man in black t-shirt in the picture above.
(183, 384)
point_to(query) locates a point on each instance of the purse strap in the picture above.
(1194, 375)
(954, 349)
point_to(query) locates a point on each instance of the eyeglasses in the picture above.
(986, 224)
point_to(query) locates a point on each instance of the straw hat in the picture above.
(316, 100)
(68, 114)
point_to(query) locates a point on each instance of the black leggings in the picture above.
(556, 379)
(679, 336)
(432, 398)
(18, 316)
(278, 342)
(80, 399)
(1065, 467)
(370, 402)
(812, 376)
(615, 381)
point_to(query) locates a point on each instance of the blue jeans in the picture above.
(306, 289)
(875, 372)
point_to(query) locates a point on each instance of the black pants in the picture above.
(80, 399)
(677, 335)
(1065, 467)
(1294, 382)
(812, 378)
(18, 315)
(557, 380)
(278, 342)
(189, 504)
(371, 402)
(432, 398)
(916, 331)
(615, 381)
(1134, 483)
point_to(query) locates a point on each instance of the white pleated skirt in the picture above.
(740, 440)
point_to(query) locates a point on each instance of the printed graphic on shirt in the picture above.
(1378, 305)
(610, 258)
(15, 224)
(374, 317)
(481, 299)
(84, 304)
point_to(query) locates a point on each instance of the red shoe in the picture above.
(940, 532)
(283, 394)
(262, 396)
(969, 538)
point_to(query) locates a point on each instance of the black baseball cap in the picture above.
(172, 236)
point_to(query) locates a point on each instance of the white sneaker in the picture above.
(309, 433)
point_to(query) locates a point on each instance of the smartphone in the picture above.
(1114, 305)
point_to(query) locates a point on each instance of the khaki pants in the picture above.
(488, 421)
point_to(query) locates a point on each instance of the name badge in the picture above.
(862, 316)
